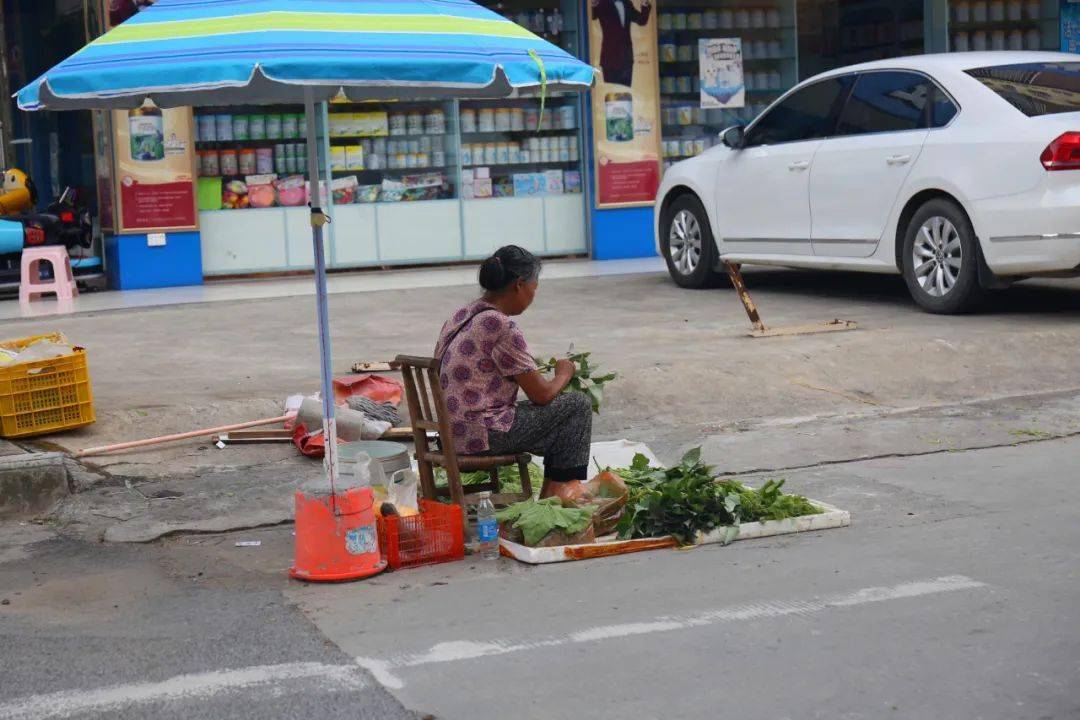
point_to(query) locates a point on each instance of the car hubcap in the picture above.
(684, 242)
(937, 256)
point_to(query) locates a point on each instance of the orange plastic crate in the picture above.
(435, 535)
(44, 396)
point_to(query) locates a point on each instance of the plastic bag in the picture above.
(608, 493)
(376, 387)
(402, 490)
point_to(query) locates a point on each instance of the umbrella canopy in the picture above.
(233, 52)
(206, 52)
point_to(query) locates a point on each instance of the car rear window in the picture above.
(1035, 88)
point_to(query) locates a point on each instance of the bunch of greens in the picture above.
(537, 518)
(687, 499)
(768, 503)
(586, 377)
(680, 501)
(509, 477)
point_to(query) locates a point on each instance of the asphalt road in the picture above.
(953, 594)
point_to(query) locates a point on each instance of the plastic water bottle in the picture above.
(487, 528)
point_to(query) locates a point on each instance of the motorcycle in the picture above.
(65, 222)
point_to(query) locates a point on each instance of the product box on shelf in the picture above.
(482, 188)
(529, 184)
(553, 182)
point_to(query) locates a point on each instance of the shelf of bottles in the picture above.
(1003, 25)
(769, 47)
(510, 149)
(250, 157)
(392, 151)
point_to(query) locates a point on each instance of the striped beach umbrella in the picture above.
(231, 52)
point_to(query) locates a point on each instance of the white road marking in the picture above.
(193, 687)
(384, 670)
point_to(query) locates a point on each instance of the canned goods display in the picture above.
(280, 164)
(290, 126)
(398, 124)
(224, 128)
(567, 117)
(290, 164)
(517, 119)
(257, 127)
(246, 162)
(228, 163)
(264, 161)
(210, 163)
(468, 121)
(240, 127)
(415, 123)
(207, 128)
(502, 120)
(485, 120)
(273, 127)
(435, 123)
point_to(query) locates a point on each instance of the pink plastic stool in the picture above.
(62, 283)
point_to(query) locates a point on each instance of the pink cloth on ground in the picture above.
(478, 365)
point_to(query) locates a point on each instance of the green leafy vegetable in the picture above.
(587, 378)
(509, 477)
(768, 503)
(680, 501)
(687, 499)
(537, 518)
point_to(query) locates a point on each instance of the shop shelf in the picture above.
(733, 32)
(554, 132)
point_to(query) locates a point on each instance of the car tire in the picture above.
(940, 259)
(686, 241)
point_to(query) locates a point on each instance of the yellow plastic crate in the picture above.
(44, 396)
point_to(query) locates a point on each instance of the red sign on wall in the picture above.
(148, 207)
(630, 182)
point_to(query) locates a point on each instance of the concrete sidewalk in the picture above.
(689, 375)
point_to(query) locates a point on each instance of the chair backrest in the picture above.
(427, 409)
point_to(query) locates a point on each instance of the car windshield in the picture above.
(1034, 88)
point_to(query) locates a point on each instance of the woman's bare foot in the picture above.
(572, 490)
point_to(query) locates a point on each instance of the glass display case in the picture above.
(1003, 25)
(250, 157)
(392, 152)
(768, 42)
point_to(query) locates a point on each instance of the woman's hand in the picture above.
(539, 389)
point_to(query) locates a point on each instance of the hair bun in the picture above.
(492, 274)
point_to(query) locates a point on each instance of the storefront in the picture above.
(416, 183)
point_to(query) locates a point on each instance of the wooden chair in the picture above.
(427, 410)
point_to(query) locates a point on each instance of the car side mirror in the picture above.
(734, 137)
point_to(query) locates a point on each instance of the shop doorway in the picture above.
(835, 33)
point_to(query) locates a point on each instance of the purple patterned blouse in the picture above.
(478, 366)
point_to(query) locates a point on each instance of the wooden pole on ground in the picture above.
(179, 436)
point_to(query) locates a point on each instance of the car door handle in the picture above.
(798, 165)
(898, 159)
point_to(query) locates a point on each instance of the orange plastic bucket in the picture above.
(332, 546)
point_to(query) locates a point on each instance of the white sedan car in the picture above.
(960, 171)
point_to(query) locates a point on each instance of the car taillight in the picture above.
(67, 216)
(1063, 153)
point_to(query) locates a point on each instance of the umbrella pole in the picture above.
(318, 220)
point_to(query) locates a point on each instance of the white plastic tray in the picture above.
(832, 518)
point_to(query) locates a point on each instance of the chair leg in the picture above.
(427, 480)
(526, 482)
(496, 484)
(457, 493)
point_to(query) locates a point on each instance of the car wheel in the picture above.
(941, 259)
(687, 242)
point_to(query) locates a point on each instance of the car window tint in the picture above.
(806, 114)
(1041, 88)
(885, 102)
(943, 109)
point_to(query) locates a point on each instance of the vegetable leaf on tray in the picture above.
(537, 518)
